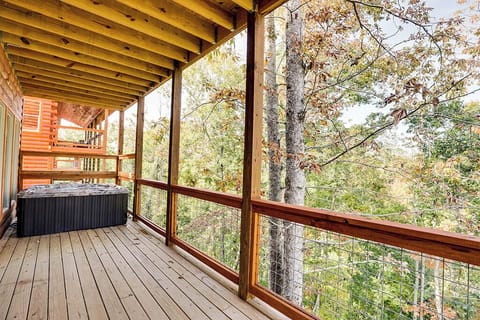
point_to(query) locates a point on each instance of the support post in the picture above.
(249, 230)
(105, 138)
(174, 151)
(138, 157)
(121, 130)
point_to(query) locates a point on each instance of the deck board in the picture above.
(21, 296)
(121, 272)
(38, 308)
(57, 298)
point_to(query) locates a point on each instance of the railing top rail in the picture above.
(78, 128)
(153, 183)
(126, 156)
(27, 153)
(441, 243)
(226, 199)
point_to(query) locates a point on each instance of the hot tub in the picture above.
(46, 209)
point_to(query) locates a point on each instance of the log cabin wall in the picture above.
(10, 122)
(39, 119)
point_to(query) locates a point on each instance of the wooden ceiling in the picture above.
(107, 53)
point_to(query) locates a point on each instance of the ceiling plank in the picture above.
(72, 99)
(245, 4)
(45, 81)
(69, 31)
(53, 77)
(97, 24)
(35, 83)
(55, 64)
(128, 17)
(45, 69)
(23, 56)
(79, 48)
(170, 13)
(75, 95)
(267, 6)
(209, 11)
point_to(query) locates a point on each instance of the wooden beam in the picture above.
(249, 231)
(223, 36)
(209, 11)
(121, 135)
(267, 6)
(208, 260)
(26, 153)
(449, 245)
(119, 72)
(24, 71)
(106, 113)
(72, 99)
(68, 175)
(46, 81)
(45, 69)
(174, 155)
(68, 94)
(154, 184)
(79, 48)
(30, 83)
(137, 196)
(66, 31)
(229, 200)
(114, 30)
(133, 18)
(168, 12)
(245, 4)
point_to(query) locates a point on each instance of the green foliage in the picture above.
(415, 158)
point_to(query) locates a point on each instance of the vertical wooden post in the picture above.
(138, 157)
(121, 130)
(249, 231)
(105, 129)
(105, 139)
(173, 152)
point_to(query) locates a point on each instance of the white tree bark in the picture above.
(438, 289)
(274, 162)
(295, 147)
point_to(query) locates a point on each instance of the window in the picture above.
(31, 115)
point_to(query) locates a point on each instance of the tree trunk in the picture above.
(295, 176)
(274, 164)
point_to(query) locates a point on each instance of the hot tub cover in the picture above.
(71, 190)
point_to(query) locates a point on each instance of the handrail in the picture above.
(126, 156)
(449, 245)
(122, 175)
(153, 183)
(68, 174)
(440, 243)
(78, 128)
(464, 248)
(27, 153)
(225, 199)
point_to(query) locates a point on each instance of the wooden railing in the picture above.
(457, 247)
(50, 173)
(93, 142)
(125, 175)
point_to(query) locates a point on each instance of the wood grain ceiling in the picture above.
(106, 53)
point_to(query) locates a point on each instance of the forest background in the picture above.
(371, 108)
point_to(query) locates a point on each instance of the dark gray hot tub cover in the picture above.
(71, 190)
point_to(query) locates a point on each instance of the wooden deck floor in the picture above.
(111, 273)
